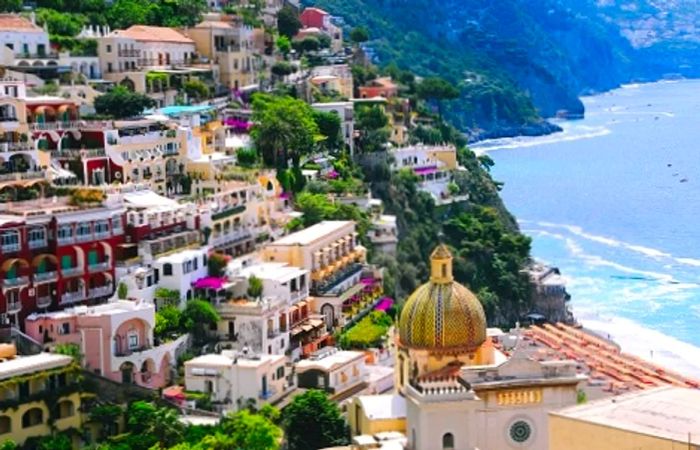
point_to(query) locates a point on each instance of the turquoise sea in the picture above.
(614, 201)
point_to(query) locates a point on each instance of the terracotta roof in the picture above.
(214, 24)
(156, 34)
(13, 22)
(318, 10)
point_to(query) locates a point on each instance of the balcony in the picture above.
(20, 176)
(84, 237)
(72, 271)
(228, 212)
(267, 394)
(43, 301)
(8, 147)
(101, 291)
(45, 277)
(337, 278)
(72, 297)
(98, 267)
(38, 243)
(9, 248)
(15, 282)
(130, 351)
(79, 153)
(14, 307)
(65, 240)
(72, 125)
(129, 53)
(99, 235)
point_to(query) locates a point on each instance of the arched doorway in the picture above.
(127, 370)
(328, 315)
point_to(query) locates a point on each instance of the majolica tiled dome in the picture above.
(442, 314)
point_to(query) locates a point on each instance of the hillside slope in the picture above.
(519, 60)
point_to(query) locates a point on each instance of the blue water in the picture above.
(614, 201)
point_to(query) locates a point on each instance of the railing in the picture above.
(228, 212)
(98, 267)
(19, 176)
(84, 237)
(43, 301)
(101, 291)
(338, 278)
(9, 248)
(38, 243)
(16, 146)
(71, 297)
(130, 351)
(269, 393)
(71, 125)
(72, 271)
(65, 240)
(79, 153)
(102, 234)
(16, 281)
(14, 307)
(45, 276)
(129, 53)
(45, 55)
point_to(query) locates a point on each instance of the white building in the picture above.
(346, 112)
(237, 379)
(180, 270)
(23, 36)
(337, 372)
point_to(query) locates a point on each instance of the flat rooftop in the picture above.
(107, 309)
(668, 412)
(276, 271)
(23, 365)
(330, 361)
(314, 232)
(227, 358)
(388, 406)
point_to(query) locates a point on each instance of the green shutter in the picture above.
(41, 267)
(92, 257)
(66, 262)
(11, 272)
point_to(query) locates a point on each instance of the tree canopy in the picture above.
(359, 35)
(288, 23)
(312, 421)
(198, 316)
(121, 103)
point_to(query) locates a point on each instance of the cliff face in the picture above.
(520, 60)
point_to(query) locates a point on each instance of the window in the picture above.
(65, 232)
(109, 48)
(65, 409)
(133, 341)
(196, 263)
(117, 224)
(280, 372)
(66, 261)
(10, 239)
(32, 417)
(444, 270)
(84, 229)
(102, 226)
(167, 269)
(65, 328)
(448, 441)
(5, 425)
(110, 68)
(520, 431)
(37, 234)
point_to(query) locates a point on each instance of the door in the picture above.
(92, 257)
(264, 386)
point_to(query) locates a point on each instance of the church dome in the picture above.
(442, 314)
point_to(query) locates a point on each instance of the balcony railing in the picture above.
(19, 176)
(14, 307)
(79, 153)
(71, 297)
(71, 125)
(72, 271)
(99, 267)
(101, 291)
(84, 237)
(44, 277)
(129, 53)
(38, 243)
(16, 281)
(65, 240)
(15, 146)
(102, 234)
(337, 278)
(130, 351)
(268, 393)
(9, 248)
(43, 301)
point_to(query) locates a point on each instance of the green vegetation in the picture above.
(197, 317)
(167, 296)
(168, 322)
(368, 332)
(359, 35)
(255, 287)
(121, 103)
(312, 421)
(217, 264)
(72, 350)
(122, 291)
(288, 23)
(196, 90)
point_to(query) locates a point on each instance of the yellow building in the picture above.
(39, 394)
(372, 414)
(666, 418)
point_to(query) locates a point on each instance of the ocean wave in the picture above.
(523, 142)
(646, 343)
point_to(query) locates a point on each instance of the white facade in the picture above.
(346, 112)
(332, 370)
(23, 36)
(235, 378)
(178, 271)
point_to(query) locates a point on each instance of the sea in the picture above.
(614, 202)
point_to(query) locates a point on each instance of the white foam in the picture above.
(569, 134)
(645, 343)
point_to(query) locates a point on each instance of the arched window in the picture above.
(32, 417)
(167, 269)
(65, 409)
(5, 425)
(448, 441)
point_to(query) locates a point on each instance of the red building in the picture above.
(315, 18)
(381, 87)
(54, 255)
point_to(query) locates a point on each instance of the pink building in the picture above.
(116, 340)
(315, 18)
